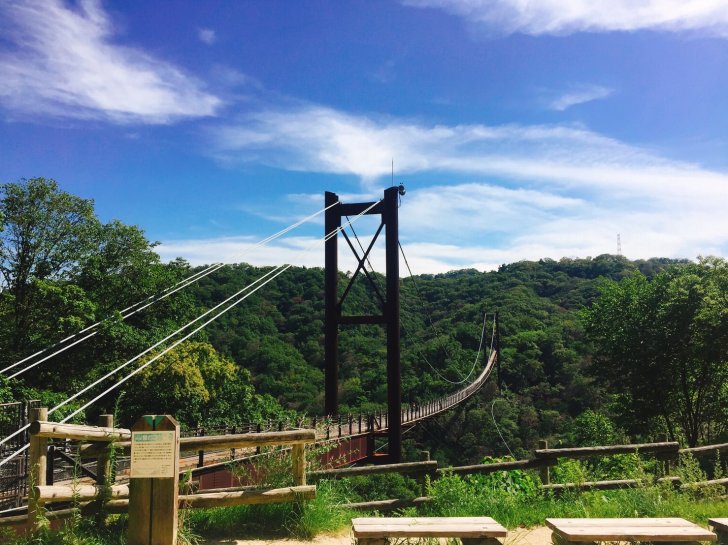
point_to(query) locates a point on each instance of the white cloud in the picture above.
(571, 158)
(235, 250)
(479, 225)
(535, 191)
(559, 17)
(207, 35)
(580, 96)
(63, 62)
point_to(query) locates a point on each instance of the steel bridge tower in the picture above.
(388, 210)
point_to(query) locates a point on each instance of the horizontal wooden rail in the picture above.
(243, 440)
(703, 484)
(221, 442)
(58, 453)
(15, 520)
(225, 499)
(22, 520)
(117, 507)
(80, 492)
(76, 432)
(112, 507)
(93, 450)
(408, 468)
(592, 485)
(497, 466)
(386, 505)
(707, 449)
(585, 452)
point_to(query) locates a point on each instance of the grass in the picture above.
(301, 520)
(455, 496)
(512, 498)
(75, 531)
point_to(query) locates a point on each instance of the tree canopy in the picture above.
(567, 375)
(662, 346)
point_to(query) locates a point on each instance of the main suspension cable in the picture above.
(277, 270)
(437, 331)
(274, 273)
(138, 307)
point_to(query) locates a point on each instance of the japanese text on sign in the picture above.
(153, 454)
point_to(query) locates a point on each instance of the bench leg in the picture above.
(480, 541)
(373, 541)
(558, 539)
(722, 536)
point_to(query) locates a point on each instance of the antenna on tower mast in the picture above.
(619, 245)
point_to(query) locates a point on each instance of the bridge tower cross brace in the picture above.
(388, 210)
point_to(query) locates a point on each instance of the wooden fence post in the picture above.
(201, 453)
(665, 466)
(38, 460)
(424, 457)
(104, 473)
(544, 472)
(298, 453)
(154, 485)
(50, 464)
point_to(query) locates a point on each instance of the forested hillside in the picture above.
(568, 374)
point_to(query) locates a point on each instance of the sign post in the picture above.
(154, 485)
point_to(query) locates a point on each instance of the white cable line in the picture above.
(141, 354)
(498, 429)
(280, 269)
(135, 358)
(185, 281)
(430, 319)
(437, 331)
(386, 444)
(14, 454)
(154, 298)
(475, 362)
(480, 346)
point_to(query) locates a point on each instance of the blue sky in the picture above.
(522, 130)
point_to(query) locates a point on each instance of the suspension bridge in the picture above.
(352, 436)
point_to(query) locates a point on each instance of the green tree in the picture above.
(662, 345)
(44, 232)
(198, 386)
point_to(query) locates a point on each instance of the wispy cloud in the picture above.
(62, 61)
(318, 139)
(558, 17)
(207, 35)
(482, 225)
(580, 95)
(301, 251)
(474, 225)
(536, 191)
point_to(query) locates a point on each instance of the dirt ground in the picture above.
(520, 536)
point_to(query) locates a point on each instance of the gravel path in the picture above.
(520, 536)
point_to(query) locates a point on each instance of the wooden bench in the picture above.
(666, 530)
(720, 527)
(471, 530)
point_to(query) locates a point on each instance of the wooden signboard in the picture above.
(154, 484)
(153, 454)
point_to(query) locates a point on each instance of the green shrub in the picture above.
(302, 520)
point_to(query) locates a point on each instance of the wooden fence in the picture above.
(95, 442)
(108, 496)
(543, 459)
(13, 475)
